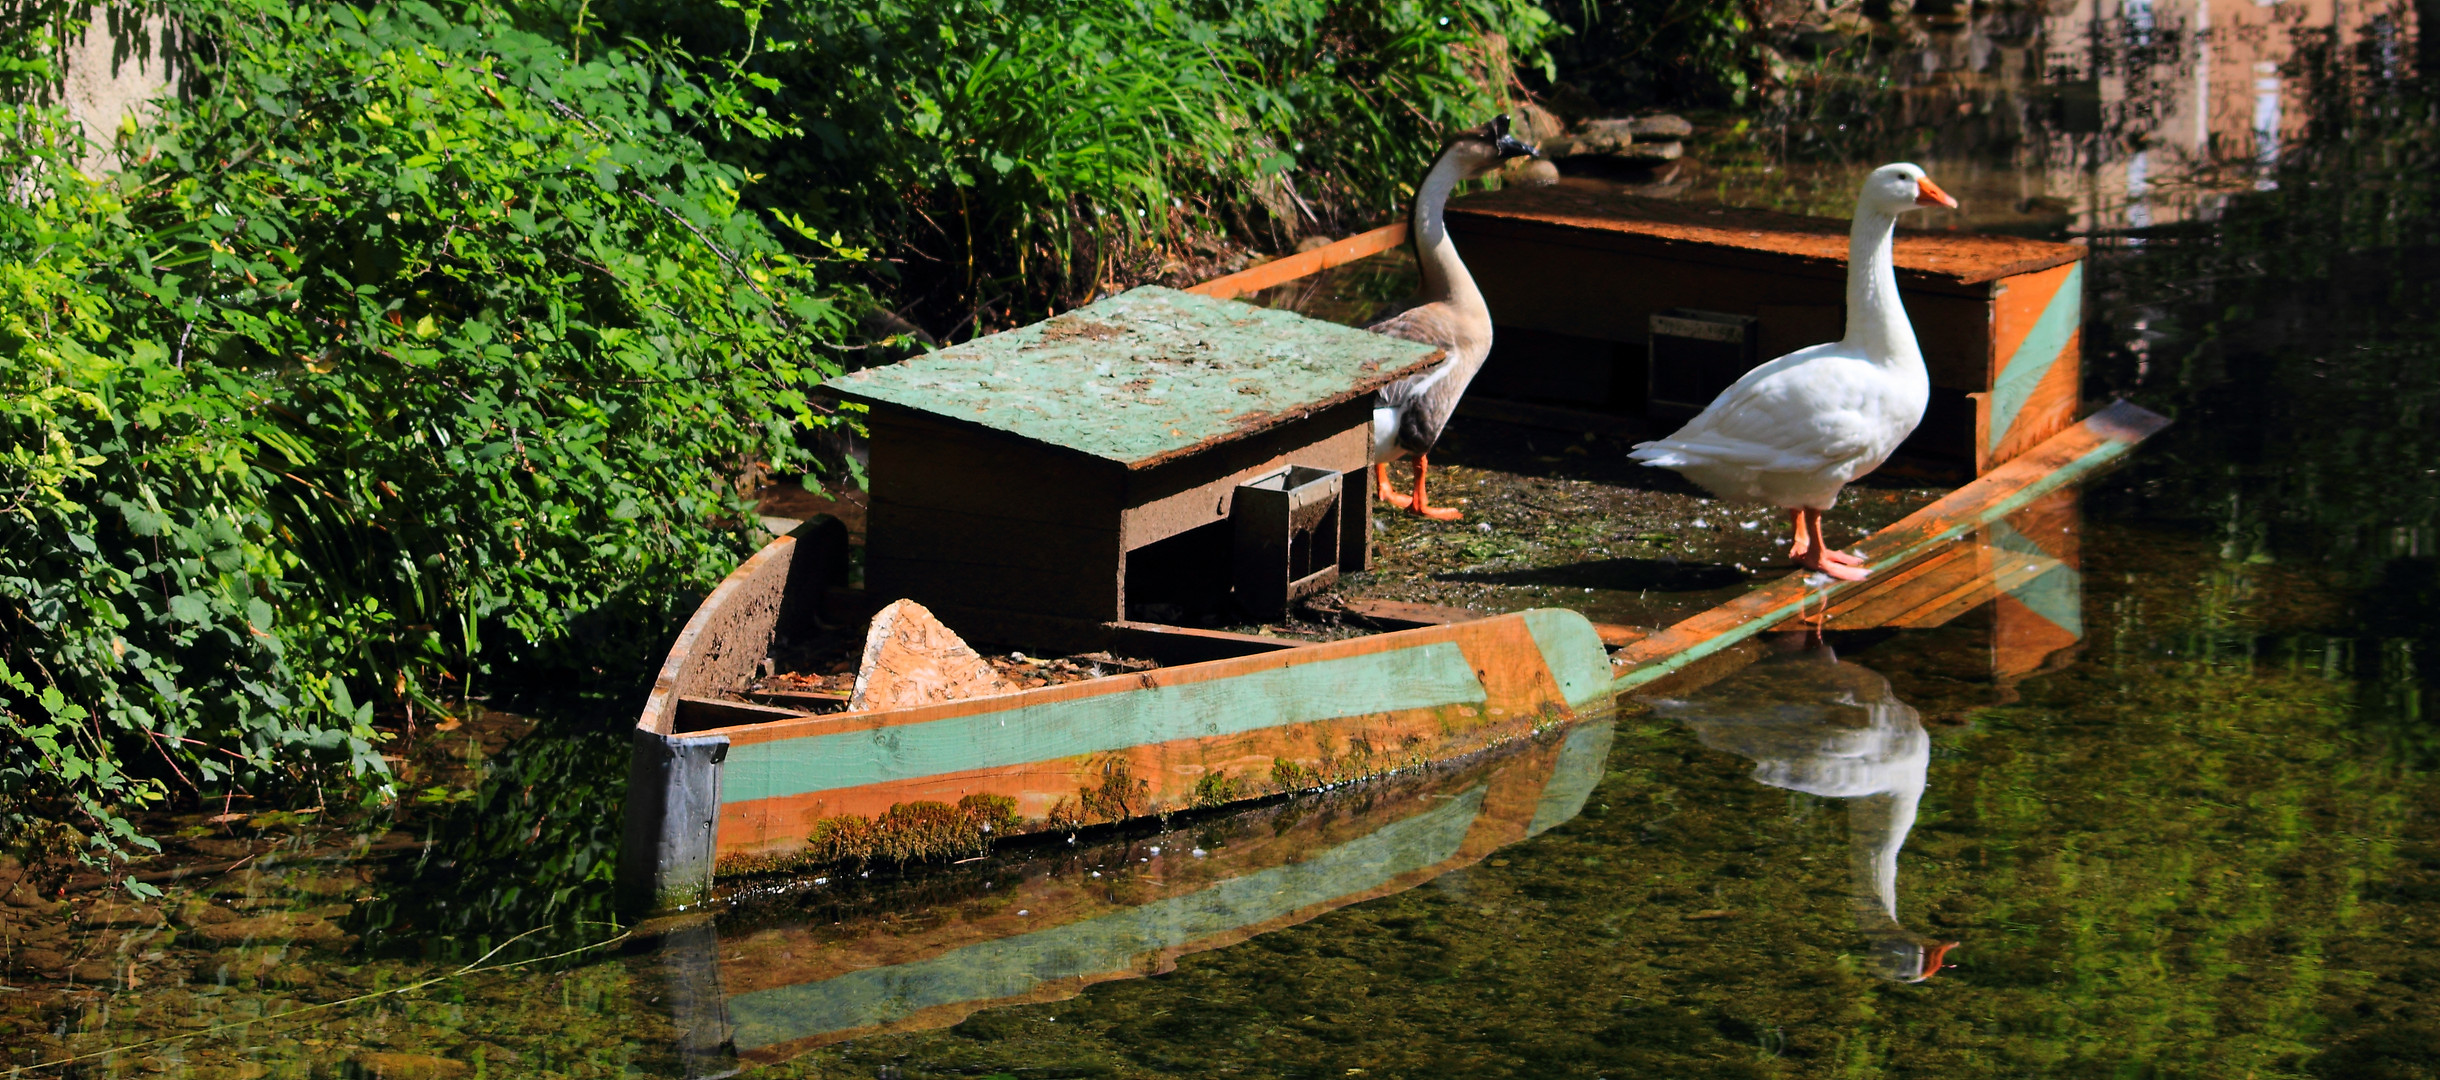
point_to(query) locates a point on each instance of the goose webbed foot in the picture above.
(1814, 553)
(1386, 493)
(1424, 507)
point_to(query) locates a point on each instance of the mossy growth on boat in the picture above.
(906, 832)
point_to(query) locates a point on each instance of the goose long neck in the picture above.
(1444, 276)
(1876, 831)
(1876, 321)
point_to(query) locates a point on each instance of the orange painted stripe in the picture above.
(1280, 271)
(2018, 307)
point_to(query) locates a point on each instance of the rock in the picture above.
(1535, 124)
(1532, 172)
(1652, 153)
(1313, 243)
(119, 915)
(1602, 137)
(1660, 126)
(911, 659)
(384, 1065)
(204, 913)
(97, 973)
(40, 961)
(281, 926)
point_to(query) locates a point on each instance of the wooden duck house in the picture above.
(1582, 282)
(1041, 485)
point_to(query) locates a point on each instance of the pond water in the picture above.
(2194, 831)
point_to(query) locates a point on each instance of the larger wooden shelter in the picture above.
(1573, 276)
(1034, 485)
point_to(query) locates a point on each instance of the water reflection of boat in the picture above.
(764, 986)
(1815, 724)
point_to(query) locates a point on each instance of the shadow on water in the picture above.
(1621, 574)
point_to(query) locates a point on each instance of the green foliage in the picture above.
(1632, 54)
(408, 347)
(1014, 156)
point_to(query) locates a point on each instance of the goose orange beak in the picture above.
(1940, 950)
(1928, 193)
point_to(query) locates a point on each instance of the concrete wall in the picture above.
(113, 70)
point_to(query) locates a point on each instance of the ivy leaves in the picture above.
(405, 346)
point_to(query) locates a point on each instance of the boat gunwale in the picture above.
(813, 724)
(661, 706)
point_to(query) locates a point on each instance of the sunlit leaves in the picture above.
(465, 342)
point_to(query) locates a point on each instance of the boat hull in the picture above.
(947, 778)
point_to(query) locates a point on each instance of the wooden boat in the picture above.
(710, 796)
(766, 984)
(720, 786)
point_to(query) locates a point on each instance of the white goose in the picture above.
(1797, 429)
(1409, 414)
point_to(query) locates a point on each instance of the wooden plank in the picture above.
(2066, 458)
(726, 638)
(1144, 522)
(1085, 591)
(2036, 363)
(1543, 283)
(1904, 588)
(805, 699)
(1333, 710)
(1925, 258)
(924, 532)
(1189, 645)
(1401, 613)
(704, 714)
(921, 461)
(1616, 636)
(1281, 271)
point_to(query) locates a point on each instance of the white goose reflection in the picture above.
(1815, 724)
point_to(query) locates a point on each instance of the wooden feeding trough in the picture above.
(1042, 484)
(1575, 278)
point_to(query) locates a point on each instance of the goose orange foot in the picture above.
(1388, 494)
(1421, 506)
(1814, 553)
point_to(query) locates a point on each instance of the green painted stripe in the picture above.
(1416, 677)
(2091, 460)
(2036, 356)
(2056, 595)
(1014, 966)
(1571, 648)
(1583, 760)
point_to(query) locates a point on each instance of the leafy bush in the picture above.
(405, 347)
(1015, 156)
(1635, 54)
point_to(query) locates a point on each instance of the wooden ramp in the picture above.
(1934, 565)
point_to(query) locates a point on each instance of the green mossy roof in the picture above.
(1145, 376)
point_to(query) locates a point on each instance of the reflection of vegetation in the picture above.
(2295, 339)
(534, 848)
(2161, 864)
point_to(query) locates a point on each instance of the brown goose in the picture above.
(1409, 414)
